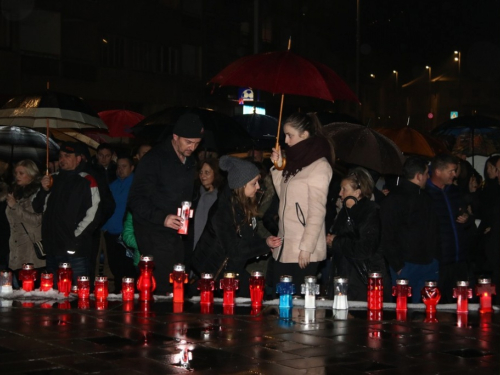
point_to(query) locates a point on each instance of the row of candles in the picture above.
(229, 284)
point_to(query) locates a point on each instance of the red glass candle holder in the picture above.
(46, 281)
(401, 291)
(146, 282)
(128, 288)
(374, 315)
(462, 292)
(228, 309)
(462, 319)
(178, 278)
(430, 296)
(84, 304)
(485, 289)
(83, 287)
(178, 307)
(256, 310)
(206, 308)
(128, 306)
(64, 278)
(401, 315)
(430, 316)
(257, 286)
(375, 291)
(101, 288)
(101, 304)
(64, 305)
(229, 284)
(206, 286)
(28, 276)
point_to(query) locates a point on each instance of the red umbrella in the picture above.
(285, 73)
(119, 121)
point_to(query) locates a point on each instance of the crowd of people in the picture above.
(291, 214)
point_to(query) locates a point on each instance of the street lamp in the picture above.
(458, 58)
(372, 75)
(430, 70)
(396, 73)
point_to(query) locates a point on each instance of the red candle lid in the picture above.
(64, 265)
(431, 283)
(402, 282)
(179, 267)
(462, 283)
(206, 276)
(28, 266)
(257, 274)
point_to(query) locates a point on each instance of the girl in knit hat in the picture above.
(230, 234)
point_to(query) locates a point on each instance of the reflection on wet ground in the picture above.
(71, 337)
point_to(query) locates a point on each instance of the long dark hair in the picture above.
(248, 205)
(309, 122)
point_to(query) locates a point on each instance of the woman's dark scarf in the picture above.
(305, 153)
(24, 192)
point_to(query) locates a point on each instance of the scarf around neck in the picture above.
(305, 153)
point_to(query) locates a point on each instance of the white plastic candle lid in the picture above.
(46, 275)
(28, 266)
(310, 279)
(340, 280)
(128, 280)
(186, 203)
(257, 274)
(431, 283)
(462, 283)
(83, 278)
(402, 282)
(64, 265)
(207, 276)
(375, 275)
(229, 275)
(484, 281)
(179, 267)
(101, 278)
(146, 258)
(286, 278)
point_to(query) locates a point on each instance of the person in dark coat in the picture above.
(230, 233)
(355, 236)
(410, 229)
(163, 180)
(454, 220)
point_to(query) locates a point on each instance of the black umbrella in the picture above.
(222, 133)
(327, 117)
(19, 143)
(262, 128)
(357, 144)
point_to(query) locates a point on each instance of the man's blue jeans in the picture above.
(417, 274)
(79, 265)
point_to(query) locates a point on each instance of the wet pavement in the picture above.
(71, 337)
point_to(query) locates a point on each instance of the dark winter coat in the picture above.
(410, 228)
(226, 235)
(69, 213)
(162, 182)
(358, 246)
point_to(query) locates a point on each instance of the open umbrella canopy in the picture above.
(73, 136)
(471, 135)
(222, 133)
(357, 144)
(60, 110)
(327, 117)
(413, 142)
(262, 128)
(284, 72)
(120, 121)
(19, 143)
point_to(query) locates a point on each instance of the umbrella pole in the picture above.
(47, 173)
(283, 162)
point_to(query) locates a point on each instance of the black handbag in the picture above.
(37, 246)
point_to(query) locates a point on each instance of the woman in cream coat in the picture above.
(302, 188)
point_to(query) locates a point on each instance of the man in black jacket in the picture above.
(163, 180)
(410, 238)
(69, 209)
